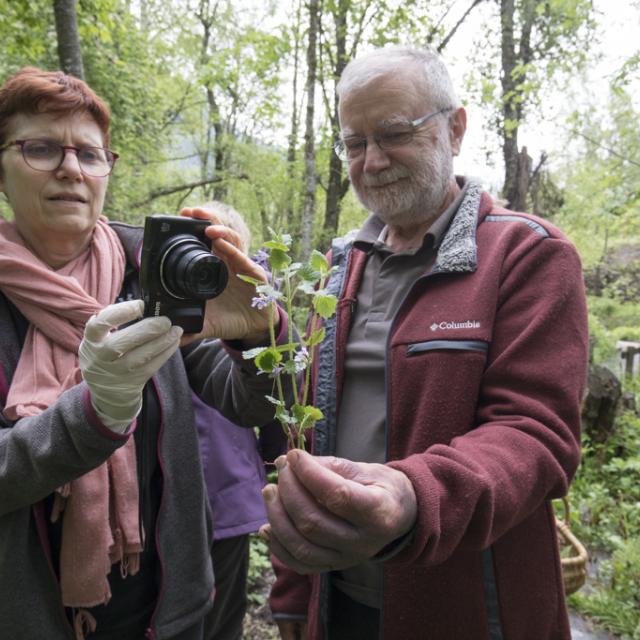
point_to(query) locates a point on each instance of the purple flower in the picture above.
(276, 371)
(262, 258)
(301, 359)
(262, 301)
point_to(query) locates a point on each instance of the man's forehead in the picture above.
(384, 101)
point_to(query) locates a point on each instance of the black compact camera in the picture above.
(178, 272)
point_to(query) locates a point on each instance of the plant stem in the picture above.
(287, 281)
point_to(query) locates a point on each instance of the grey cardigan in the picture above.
(38, 454)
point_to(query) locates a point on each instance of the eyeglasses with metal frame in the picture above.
(47, 155)
(391, 137)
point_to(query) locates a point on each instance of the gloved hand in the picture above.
(117, 364)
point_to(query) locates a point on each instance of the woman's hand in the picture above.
(117, 364)
(230, 316)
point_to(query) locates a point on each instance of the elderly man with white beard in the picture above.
(450, 381)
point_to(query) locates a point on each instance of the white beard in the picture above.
(412, 195)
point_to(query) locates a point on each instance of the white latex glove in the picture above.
(117, 364)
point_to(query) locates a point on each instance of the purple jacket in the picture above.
(234, 471)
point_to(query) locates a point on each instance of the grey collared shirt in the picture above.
(361, 432)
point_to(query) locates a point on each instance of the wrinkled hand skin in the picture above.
(329, 513)
(230, 316)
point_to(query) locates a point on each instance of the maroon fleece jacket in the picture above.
(485, 372)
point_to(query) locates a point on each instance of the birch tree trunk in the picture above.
(69, 51)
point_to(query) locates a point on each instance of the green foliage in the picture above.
(601, 208)
(614, 314)
(259, 564)
(292, 361)
(609, 321)
(616, 605)
(606, 492)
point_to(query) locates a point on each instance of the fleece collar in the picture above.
(458, 250)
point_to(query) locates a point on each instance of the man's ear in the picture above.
(457, 128)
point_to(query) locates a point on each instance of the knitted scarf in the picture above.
(100, 523)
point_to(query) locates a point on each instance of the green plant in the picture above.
(259, 566)
(616, 603)
(292, 280)
(606, 499)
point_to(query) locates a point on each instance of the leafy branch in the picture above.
(292, 280)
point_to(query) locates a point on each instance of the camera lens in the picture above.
(189, 271)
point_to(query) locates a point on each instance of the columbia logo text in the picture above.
(467, 324)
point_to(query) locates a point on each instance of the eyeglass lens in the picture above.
(353, 146)
(44, 155)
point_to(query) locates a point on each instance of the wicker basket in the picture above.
(573, 555)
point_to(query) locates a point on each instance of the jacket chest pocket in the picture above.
(434, 384)
(417, 348)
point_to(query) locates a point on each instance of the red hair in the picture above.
(33, 91)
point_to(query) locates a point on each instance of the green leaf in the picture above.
(269, 291)
(290, 347)
(306, 415)
(275, 401)
(325, 304)
(250, 354)
(282, 238)
(290, 367)
(284, 416)
(276, 246)
(306, 287)
(268, 359)
(311, 415)
(319, 263)
(279, 260)
(297, 411)
(250, 280)
(308, 273)
(316, 337)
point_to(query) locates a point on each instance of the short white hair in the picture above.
(384, 61)
(230, 218)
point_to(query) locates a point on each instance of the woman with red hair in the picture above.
(104, 524)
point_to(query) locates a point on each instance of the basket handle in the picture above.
(566, 510)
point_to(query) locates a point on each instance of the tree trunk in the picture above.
(310, 178)
(292, 222)
(510, 119)
(514, 77)
(215, 128)
(69, 51)
(337, 185)
(523, 180)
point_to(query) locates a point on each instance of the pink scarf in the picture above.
(100, 521)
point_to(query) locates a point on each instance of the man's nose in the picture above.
(375, 158)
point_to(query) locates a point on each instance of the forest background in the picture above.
(214, 99)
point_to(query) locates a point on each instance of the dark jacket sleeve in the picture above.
(222, 378)
(290, 593)
(39, 454)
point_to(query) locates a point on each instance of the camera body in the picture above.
(178, 272)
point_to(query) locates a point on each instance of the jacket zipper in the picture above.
(387, 408)
(451, 345)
